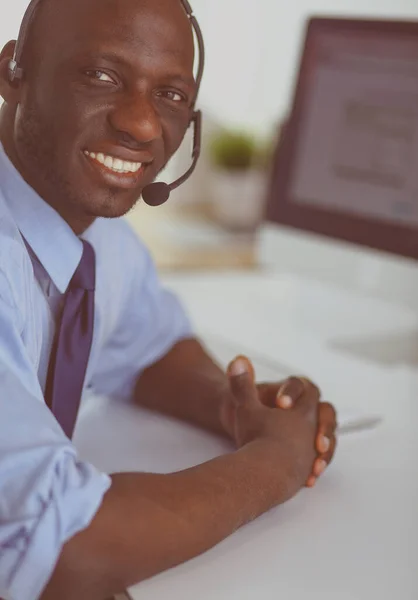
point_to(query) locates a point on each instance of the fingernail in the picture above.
(319, 468)
(238, 367)
(324, 444)
(284, 402)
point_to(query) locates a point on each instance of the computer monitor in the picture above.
(347, 163)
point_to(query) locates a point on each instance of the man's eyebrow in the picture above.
(112, 57)
(189, 81)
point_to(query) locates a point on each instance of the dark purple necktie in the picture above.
(72, 344)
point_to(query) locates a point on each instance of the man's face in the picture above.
(107, 103)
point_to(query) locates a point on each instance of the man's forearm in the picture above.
(149, 523)
(186, 384)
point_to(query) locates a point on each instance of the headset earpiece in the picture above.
(13, 69)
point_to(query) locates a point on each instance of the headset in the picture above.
(157, 193)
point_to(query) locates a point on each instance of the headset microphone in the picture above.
(158, 193)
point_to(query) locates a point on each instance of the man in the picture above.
(104, 104)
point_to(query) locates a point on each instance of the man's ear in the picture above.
(8, 90)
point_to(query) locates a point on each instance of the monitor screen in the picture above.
(347, 162)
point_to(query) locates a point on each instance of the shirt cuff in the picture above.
(30, 560)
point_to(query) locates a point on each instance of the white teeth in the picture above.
(115, 164)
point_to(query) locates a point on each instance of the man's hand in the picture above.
(284, 396)
(291, 433)
(189, 385)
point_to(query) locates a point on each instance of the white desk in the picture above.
(355, 537)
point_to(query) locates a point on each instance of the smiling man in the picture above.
(105, 100)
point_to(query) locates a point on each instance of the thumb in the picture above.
(242, 381)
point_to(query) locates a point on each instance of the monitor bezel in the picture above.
(364, 231)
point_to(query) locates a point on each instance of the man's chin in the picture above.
(113, 208)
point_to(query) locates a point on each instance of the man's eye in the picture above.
(173, 96)
(100, 76)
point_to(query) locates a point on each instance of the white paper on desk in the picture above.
(355, 421)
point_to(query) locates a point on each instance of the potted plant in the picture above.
(239, 163)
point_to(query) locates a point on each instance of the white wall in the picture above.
(10, 20)
(252, 49)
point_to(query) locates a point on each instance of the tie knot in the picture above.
(85, 275)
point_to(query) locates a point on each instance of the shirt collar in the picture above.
(51, 239)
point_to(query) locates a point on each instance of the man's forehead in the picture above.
(55, 9)
(145, 25)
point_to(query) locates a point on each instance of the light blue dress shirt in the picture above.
(47, 494)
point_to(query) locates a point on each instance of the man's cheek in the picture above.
(176, 139)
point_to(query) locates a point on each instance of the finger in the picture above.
(284, 402)
(309, 400)
(289, 393)
(329, 455)
(327, 423)
(268, 393)
(311, 482)
(242, 381)
(319, 467)
(323, 443)
(328, 415)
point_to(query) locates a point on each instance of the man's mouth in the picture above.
(115, 165)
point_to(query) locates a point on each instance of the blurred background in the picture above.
(253, 54)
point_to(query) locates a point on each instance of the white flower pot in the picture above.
(238, 198)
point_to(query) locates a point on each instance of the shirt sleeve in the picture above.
(47, 494)
(150, 323)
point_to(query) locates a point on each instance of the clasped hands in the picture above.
(289, 395)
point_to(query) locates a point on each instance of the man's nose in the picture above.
(137, 119)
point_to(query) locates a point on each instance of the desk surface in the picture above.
(355, 536)
(187, 238)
